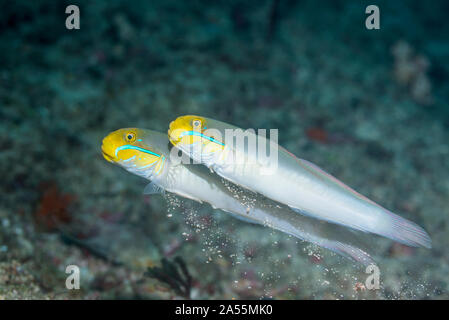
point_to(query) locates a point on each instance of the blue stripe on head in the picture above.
(130, 159)
(196, 133)
(127, 146)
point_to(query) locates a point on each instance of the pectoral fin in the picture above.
(153, 188)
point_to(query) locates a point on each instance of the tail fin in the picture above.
(404, 231)
(391, 226)
(349, 252)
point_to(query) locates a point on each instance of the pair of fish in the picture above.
(295, 198)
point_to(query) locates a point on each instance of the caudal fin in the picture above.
(349, 252)
(404, 231)
(391, 226)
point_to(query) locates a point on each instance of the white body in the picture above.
(305, 188)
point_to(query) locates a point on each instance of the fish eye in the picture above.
(196, 123)
(130, 137)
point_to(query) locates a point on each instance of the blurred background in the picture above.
(369, 106)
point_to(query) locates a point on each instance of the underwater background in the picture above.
(368, 106)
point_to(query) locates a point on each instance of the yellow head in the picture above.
(129, 148)
(192, 135)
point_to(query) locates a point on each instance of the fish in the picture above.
(148, 154)
(302, 185)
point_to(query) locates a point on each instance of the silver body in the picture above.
(305, 188)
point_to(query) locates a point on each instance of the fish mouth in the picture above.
(173, 140)
(107, 156)
(171, 134)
